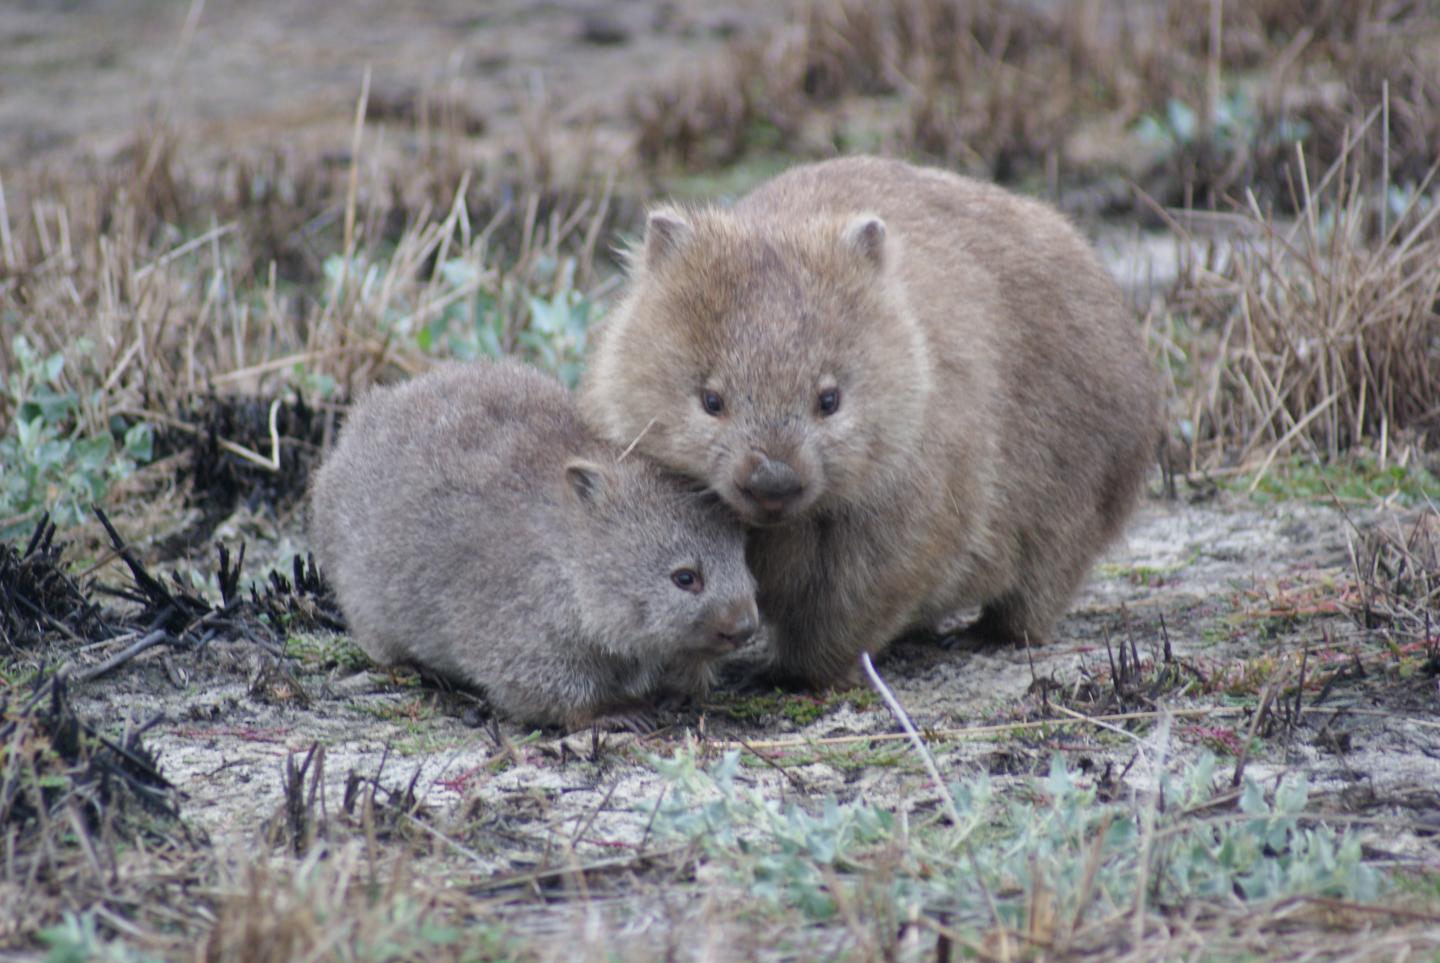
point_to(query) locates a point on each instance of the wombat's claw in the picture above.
(968, 639)
(640, 721)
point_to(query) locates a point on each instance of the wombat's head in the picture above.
(660, 567)
(777, 363)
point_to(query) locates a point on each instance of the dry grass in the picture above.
(373, 871)
(984, 84)
(328, 906)
(77, 811)
(97, 859)
(289, 277)
(302, 279)
(1197, 101)
(1324, 326)
(1253, 31)
(174, 303)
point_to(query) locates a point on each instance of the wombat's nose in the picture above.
(737, 624)
(772, 484)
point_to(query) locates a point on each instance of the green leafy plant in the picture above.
(47, 460)
(1235, 120)
(77, 939)
(326, 651)
(799, 708)
(555, 339)
(1358, 478)
(473, 311)
(1059, 837)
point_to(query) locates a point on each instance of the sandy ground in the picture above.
(1205, 568)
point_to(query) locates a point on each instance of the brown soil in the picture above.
(79, 78)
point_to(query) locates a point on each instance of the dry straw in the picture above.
(1325, 325)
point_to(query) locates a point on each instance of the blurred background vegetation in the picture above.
(263, 204)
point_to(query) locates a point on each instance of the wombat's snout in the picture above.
(770, 484)
(735, 624)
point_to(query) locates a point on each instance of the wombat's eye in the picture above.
(687, 579)
(712, 403)
(829, 401)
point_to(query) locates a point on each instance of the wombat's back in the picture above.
(457, 471)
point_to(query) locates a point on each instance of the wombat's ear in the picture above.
(586, 479)
(866, 234)
(666, 232)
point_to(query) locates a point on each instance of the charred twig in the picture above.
(114, 662)
(39, 599)
(229, 578)
(1261, 711)
(81, 767)
(184, 607)
(35, 587)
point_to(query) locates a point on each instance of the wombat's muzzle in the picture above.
(735, 624)
(771, 485)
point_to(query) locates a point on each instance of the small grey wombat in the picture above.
(471, 525)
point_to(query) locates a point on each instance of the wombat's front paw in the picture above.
(988, 632)
(749, 677)
(769, 678)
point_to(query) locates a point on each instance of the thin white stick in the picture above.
(898, 711)
(269, 464)
(7, 245)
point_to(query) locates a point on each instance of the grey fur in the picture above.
(471, 525)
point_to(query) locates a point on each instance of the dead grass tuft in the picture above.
(1325, 326)
(981, 83)
(280, 910)
(1252, 31)
(1236, 85)
(171, 289)
(1397, 573)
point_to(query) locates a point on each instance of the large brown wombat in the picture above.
(920, 391)
(471, 525)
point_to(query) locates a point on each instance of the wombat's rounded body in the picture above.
(921, 392)
(472, 526)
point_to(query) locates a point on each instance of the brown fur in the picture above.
(471, 525)
(996, 412)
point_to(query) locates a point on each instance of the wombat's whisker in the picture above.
(631, 447)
